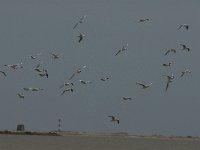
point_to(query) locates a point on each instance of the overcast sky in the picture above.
(29, 27)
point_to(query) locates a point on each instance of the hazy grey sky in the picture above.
(34, 26)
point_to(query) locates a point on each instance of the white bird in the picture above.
(79, 70)
(172, 50)
(15, 66)
(84, 82)
(3, 72)
(184, 72)
(127, 98)
(167, 65)
(186, 26)
(21, 95)
(66, 90)
(113, 119)
(123, 49)
(81, 20)
(144, 86)
(184, 47)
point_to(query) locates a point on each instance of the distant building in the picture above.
(20, 127)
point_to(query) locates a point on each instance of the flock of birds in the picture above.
(68, 86)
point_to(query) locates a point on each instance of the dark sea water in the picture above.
(32, 142)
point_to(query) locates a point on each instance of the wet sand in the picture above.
(95, 141)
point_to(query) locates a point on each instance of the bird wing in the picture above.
(118, 52)
(61, 86)
(140, 84)
(112, 117)
(80, 38)
(63, 92)
(72, 76)
(167, 86)
(180, 27)
(3, 73)
(182, 74)
(75, 25)
(173, 50)
(183, 46)
(167, 52)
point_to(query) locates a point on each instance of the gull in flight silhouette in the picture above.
(66, 90)
(15, 66)
(66, 84)
(33, 89)
(104, 79)
(169, 80)
(167, 65)
(113, 119)
(144, 86)
(84, 82)
(184, 47)
(56, 56)
(80, 36)
(79, 70)
(35, 56)
(44, 73)
(81, 20)
(186, 26)
(172, 50)
(37, 67)
(124, 48)
(127, 98)
(143, 19)
(184, 72)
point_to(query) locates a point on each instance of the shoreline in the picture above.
(95, 134)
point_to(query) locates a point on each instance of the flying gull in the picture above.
(66, 90)
(186, 26)
(81, 20)
(167, 65)
(56, 56)
(144, 86)
(79, 70)
(15, 66)
(84, 82)
(172, 50)
(127, 98)
(104, 79)
(113, 119)
(143, 19)
(184, 72)
(184, 47)
(66, 84)
(123, 49)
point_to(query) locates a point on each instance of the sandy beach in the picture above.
(91, 141)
